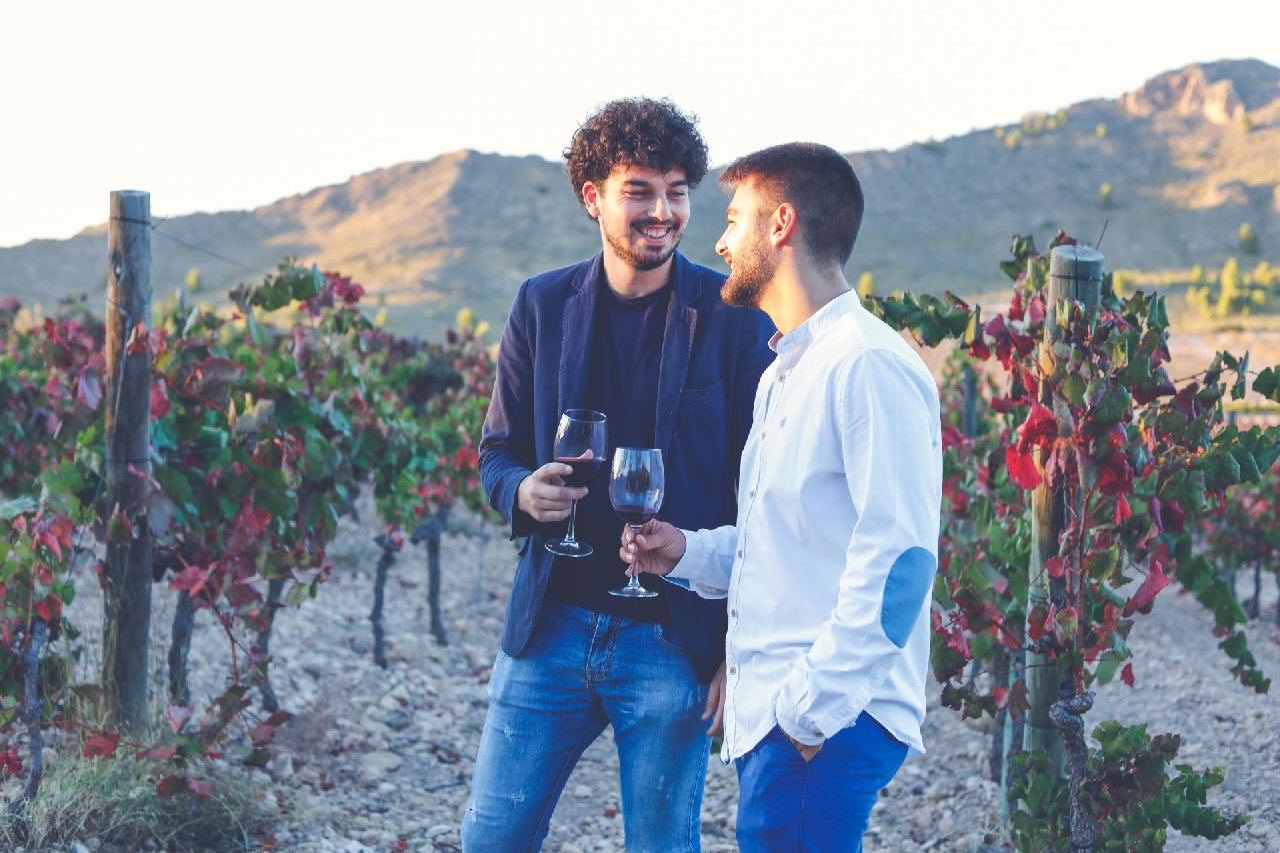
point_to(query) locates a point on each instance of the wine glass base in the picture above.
(633, 592)
(565, 548)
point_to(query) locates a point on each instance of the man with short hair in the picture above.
(639, 333)
(830, 565)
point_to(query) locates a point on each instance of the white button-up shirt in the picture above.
(829, 571)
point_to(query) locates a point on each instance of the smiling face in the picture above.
(642, 213)
(746, 249)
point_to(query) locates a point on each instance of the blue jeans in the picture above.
(786, 804)
(580, 672)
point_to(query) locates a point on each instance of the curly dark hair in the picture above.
(636, 132)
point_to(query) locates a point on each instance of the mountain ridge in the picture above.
(1190, 156)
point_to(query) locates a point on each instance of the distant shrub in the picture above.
(193, 280)
(1244, 123)
(465, 319)
(1248, 239)
(1231, 293)
(866, 286)
(1104, 196)
(1034, 124)
(1237, 295)
(932, 145)
(1122, 282)
(1265, 275)
(1061, 116)
(1101, 130)
(998, 132)
(1200, 300)
(1013, 139)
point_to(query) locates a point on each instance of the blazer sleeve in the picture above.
(507, 451)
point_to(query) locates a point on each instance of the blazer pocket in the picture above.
(697, 396)
(700, 455)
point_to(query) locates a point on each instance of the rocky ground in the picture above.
(379, 760)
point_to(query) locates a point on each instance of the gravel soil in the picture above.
(380, 760)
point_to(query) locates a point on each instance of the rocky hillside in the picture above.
(1189, 157)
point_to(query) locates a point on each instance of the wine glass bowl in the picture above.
(581, 443)
(636, 487)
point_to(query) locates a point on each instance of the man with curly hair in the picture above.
(639, 333)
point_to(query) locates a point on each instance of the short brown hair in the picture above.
(636, 132)
(819, 182)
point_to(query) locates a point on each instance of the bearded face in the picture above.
(642, 214)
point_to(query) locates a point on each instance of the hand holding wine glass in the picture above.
(656, 548)
(544, 496)
(581, 442)
(636, 488)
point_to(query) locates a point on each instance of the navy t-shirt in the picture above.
(626, 352)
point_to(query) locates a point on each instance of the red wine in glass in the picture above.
(583, 470)
(637, 515)
(581, 442)
(635, 488)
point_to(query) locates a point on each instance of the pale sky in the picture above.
(233, 105)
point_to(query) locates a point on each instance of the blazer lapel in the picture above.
(677, 348)
(576, 337)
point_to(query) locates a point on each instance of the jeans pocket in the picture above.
(668, 637)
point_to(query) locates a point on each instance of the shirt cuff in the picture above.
(798, 728)
(691, 572)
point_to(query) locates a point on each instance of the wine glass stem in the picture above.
(635, 579)
(573, 512)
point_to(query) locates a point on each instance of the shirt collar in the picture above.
(798, 339)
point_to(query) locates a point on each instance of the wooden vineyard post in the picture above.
(1075, 273)
(127, 598)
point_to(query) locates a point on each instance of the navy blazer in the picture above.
(712, 358)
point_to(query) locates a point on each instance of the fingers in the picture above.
(553, 474)
(629, 551)
(806, 751)
(544, 496)
(714, 709)
(633, 553)
(716, 694)
(716, 729)
(656, 549)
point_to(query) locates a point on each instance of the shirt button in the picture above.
(733, 613)
(762, 435)
(782, 378)
(752, 494)
(739, 552)
(733, 670)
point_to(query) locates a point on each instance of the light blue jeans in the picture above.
(581, 672)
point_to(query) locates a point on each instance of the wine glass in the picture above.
(635, 488)
(581, 442)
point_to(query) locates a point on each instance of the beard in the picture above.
(646, 259)
(752, 272)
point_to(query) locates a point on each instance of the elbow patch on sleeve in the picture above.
(910, 580)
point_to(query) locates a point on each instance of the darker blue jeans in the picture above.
(786, 805)
(580, 672)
